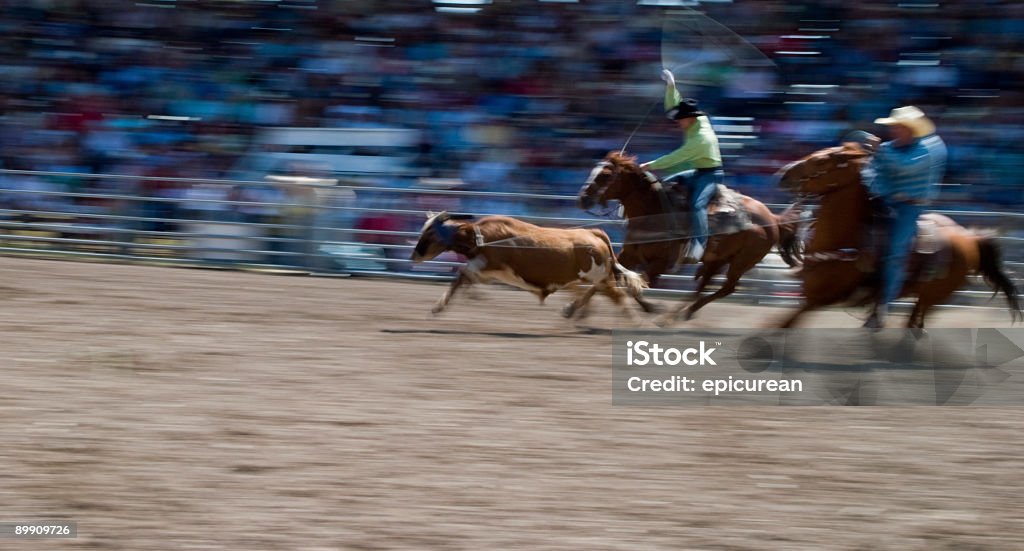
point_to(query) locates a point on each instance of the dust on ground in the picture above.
(168, 409)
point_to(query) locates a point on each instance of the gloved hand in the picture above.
(668, 77)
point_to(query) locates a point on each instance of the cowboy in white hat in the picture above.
(905, 174)
(697, 164)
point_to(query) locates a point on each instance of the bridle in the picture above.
(608, 210)
(652, 181)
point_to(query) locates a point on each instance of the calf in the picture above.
(500, 249)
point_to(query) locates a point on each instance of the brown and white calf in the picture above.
(500, 249)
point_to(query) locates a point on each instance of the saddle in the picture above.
(726, 213)
(931, 254)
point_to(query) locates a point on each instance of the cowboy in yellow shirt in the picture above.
(696, 165)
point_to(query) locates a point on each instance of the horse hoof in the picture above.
(665, 321)
(568, 311)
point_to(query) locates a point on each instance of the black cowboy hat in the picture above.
(687, 108)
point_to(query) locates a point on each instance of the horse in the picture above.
(656, 231)
(834, 259)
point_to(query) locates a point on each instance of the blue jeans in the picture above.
(702, 185)
(901, 237)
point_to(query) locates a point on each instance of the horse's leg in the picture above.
(653, 272)
(916, 319)
(631, 259)
(931, 293)
(704, 275)
(652, 275)
(460, 279)
(471, 292)
(791, 320)
(648, 306)
(660, 258)
(732, 276)
(928, 296)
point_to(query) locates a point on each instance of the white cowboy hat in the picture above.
(911, 117)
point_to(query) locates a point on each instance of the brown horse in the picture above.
(655, 232)
(834, 260)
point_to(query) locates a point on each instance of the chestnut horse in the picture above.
(834, 259)
(655, 232)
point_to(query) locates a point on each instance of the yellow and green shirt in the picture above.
(700, 149)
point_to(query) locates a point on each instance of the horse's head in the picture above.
(612, 179)
(825, 171)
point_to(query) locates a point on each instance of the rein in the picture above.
(608, 212)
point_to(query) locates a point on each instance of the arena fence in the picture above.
(322, 226)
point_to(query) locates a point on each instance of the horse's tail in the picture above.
(633, 281)
(990, 266)
(788, 222)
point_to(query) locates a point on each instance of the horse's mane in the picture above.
(858, 156)
(623, 161)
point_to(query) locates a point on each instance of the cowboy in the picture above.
(697, 165)
(904, 173)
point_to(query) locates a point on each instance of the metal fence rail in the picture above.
(318, 226)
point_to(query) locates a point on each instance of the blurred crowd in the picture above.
(520, 95)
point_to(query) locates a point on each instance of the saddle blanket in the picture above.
(934, 255)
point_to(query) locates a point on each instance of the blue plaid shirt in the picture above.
(908, 173)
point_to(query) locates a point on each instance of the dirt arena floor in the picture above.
(174, 409)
